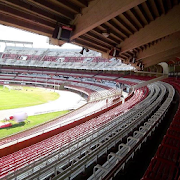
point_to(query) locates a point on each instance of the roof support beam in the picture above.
(161, 27)
(9, 21)
(165, 59)
(110, 39)
(90, 45)
(29, 18)
(168, 43)
(94, 41)
(32, 10)
(67, 5)
(98, 39)
(47, 6)
(160, 57)
(100, 11)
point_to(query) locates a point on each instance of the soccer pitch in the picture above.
(34, 121)
(24, 96)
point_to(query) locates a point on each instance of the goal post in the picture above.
(7, 86)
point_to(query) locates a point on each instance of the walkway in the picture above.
(67, 101)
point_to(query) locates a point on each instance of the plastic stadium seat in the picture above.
(37, 151)
(161, 169)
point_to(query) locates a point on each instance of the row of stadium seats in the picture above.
(93, 147)
(60, 140)
(47, 79)
(95, 92)
(96, 146)
(99, 92)
(139, 77)
(138, 96)
(48, 52)
(63, 62)
(105, 76)
(70, 117)
(14, 139)
(116, 161)
(26, 57)
(165, 164)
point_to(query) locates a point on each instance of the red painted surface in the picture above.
(31, 141)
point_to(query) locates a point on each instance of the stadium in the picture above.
(108, 111)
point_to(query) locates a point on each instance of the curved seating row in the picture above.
(40, 129)
(61, 62)
(139, 95)
(96, 145)
(46, 146)
(98, 89)
(165, 163)
(98, 120)
(116, 161)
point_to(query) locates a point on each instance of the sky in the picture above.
(39, 41)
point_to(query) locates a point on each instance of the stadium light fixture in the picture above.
(82, 51)
(87, 50)
(115, 51)
(106, 33)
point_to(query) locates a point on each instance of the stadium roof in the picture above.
(147, 31)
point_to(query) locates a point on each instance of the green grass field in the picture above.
(28, 96)
(34, 121)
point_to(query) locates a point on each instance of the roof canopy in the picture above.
(138, 31)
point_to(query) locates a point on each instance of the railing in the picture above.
(52, 127)
(95, 136)
(117, 161)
